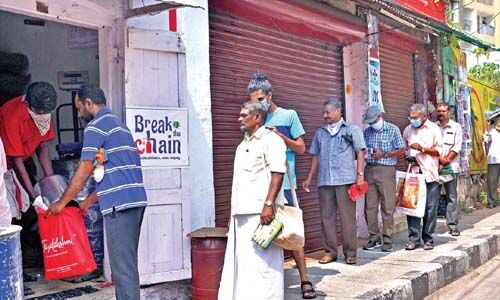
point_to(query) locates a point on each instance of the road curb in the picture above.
(440, 271)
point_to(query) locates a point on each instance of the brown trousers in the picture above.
(330, 198)
(381, 191)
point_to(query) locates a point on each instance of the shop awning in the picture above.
(469, 38)
(162, 5)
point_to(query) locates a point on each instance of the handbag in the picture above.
(291, 236)
(411, 193)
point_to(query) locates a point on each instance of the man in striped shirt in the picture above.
(120, 193)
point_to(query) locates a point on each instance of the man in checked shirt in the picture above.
(385, 145)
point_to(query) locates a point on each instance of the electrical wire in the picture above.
(464, 5)
(492, 19)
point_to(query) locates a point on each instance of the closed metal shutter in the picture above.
(397, 77)
(304, 72)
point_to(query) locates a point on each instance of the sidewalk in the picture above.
(405, 274)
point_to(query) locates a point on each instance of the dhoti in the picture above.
(249, 271)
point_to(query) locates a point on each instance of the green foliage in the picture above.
(488, 73)
(480, 52)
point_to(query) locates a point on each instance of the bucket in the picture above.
(208, 246)
(51, 187)
(11, 266)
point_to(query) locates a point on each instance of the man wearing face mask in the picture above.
(26, 129)
(492, 141)
(335, 148)
(286, 124)
(424, 142)
(449, 163)
(385, 144)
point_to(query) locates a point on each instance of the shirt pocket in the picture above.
(385, 145)
(253, 165)
(449, 138)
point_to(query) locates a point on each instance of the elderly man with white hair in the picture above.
(423, 140)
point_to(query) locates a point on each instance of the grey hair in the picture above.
(418, 107)
(254, 108)
(259, 81)
(334, 102)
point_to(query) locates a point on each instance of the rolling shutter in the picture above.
(397, 78)
(304, 72)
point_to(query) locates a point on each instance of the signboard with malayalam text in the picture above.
(160, 135)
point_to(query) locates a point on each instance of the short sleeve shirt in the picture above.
(452, 141)
(336, 154)
(122, 186)
(19, 133)
(428, 136)
(287, 122)
(256, 157)
(386, 139)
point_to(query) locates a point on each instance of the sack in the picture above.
(66, 247)
(291, 236)
(411, 194)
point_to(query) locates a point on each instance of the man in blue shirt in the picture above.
(335, 148)
(285, 123)
(385, 144)
(120, 191)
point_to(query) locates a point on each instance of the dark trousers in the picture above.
(122, 236)
(330, 198)
(452, 209)
(381, 192)
(493, 177)
(430, 216)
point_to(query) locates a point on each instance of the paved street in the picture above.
(480, 284)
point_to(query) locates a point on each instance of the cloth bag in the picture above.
(66, 247)
(411, 193)
(291, 236)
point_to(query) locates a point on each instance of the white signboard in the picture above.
(160, 134)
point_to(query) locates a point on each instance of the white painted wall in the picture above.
(48, 52)
(193, 24)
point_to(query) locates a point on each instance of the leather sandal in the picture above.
(410, 246)
(327, 258)
(307, 292)
(428, 246)
(350, 260)
(454, 232)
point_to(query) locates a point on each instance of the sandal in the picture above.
(410, 246)
(307, 293)
(327, 258)
(350, 260)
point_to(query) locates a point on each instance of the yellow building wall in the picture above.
(492, 10)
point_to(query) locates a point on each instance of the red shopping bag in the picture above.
(66, 247)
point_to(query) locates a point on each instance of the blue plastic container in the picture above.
(11, 265)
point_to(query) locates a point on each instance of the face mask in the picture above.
(378, 125)
(42, 121)
(265, 105)
(415, 123)
(334, 128)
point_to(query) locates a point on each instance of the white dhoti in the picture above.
(249, 271)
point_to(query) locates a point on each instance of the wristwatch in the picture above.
(360, 173)
(268, 203)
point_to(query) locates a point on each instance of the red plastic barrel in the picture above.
(208, 246)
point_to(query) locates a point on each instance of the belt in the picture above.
(378, 165)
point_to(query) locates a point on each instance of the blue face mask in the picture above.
(415, 123)
(265, 105)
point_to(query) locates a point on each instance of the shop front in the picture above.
(300, 48)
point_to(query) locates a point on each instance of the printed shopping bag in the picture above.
(411, 194)
(65, 244)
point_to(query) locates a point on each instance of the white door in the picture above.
(155, 77)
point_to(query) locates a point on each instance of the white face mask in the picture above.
(42, 121)
(334, 128)
(378, 125)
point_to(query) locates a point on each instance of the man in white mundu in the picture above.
(259, 165)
